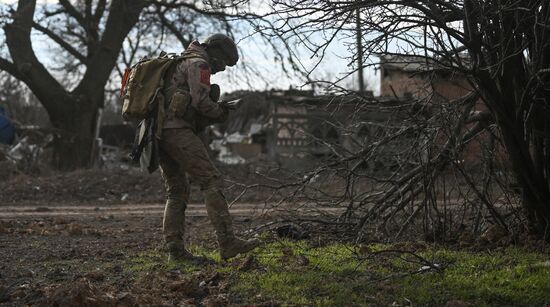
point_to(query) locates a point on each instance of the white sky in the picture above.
(38, 1)
(334, 66)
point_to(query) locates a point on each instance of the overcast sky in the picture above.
(333, 67)
(257, 55)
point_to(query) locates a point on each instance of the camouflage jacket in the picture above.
(192, 75)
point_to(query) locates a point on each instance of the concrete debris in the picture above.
(23, 157)
(225, 155)
(237, 147)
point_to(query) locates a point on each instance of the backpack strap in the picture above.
(169, 89)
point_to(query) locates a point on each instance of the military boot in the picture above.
(173, 226)
(177, 252)
(229, 245)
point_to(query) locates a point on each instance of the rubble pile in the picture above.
(29, 153)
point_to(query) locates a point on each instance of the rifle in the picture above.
(145, 147)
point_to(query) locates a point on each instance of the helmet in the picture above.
(226, 45)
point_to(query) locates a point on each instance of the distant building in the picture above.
(294, 127)
(433, 83)
(420, 78)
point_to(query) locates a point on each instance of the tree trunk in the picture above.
(75, 125)
(535, 197)
(538, 214)
(73, 143)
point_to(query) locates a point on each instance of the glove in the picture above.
(215, 92)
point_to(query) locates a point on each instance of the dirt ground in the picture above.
(93, 238)
(71, 240)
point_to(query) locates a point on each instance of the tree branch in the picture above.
(71, 10)
(100, 9)
(60, 42)
(9, 67)
(123, 15)
(29, 69)
(172, 28)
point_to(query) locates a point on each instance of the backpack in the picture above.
(142, 84)
(142, 93)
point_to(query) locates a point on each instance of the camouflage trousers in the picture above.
(181, 154)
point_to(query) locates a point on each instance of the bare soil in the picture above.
(70, 239)
(75, 239)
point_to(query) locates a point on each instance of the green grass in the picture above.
(153, 259)
(511, 276)
(334, 275)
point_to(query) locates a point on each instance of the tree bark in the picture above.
(75, 126)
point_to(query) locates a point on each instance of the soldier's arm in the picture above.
(199, 88)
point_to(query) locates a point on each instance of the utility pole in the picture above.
(359, 51)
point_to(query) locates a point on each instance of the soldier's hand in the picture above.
(215, 92)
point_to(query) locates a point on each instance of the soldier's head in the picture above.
(222, 51)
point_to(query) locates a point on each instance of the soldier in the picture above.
(193, 104)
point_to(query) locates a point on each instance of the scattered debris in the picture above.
(291, 231)
(188, 287)
(80, 293)
(493, 234)
(427, 268)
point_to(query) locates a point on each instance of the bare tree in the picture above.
(20, 104)
(502, 48)
(88, 37)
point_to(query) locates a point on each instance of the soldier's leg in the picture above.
(177, 197)
(196, 162)
(218, 212)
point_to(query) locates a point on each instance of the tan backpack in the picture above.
(142, 86)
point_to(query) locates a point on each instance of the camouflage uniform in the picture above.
(182, 153)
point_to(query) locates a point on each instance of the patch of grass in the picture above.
(147, 261)
(153, 259)
(334, 275)
(294, 272)
(510, 276)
